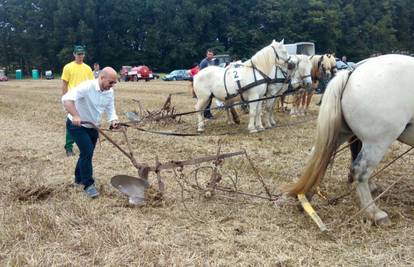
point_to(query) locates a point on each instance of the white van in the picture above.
(301, 48)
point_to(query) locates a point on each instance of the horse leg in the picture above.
(302, 104)
(253, 110)
(367, 159)
(268, 119)
(278, 105)
(281, 102)
(355, 146)
(308, 100)
(266, 113)
(295, 104)
(234, 116)
(228, 115)
(271, 112)
(258, 118)
(201, 105)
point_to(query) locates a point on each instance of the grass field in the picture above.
(46, 221)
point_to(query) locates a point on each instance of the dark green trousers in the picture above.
(69, 141)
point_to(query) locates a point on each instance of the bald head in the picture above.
(108, 72)
(107, 78)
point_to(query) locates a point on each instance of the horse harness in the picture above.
(266, 79)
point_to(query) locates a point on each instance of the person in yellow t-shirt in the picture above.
(73, 74)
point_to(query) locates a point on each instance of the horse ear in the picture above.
(283, 41)
(273, 42)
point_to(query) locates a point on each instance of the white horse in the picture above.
(375, 103)
(300, 76)
(323, 68)
(221, 83)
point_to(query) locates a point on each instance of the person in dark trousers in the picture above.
(73, 74)
(86, 102)
(209, 60)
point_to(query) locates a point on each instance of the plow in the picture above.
(135, 186)
(149, 183)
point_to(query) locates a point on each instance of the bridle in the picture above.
(287, 61)
(290, 65)
(302, 77)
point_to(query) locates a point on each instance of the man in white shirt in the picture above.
(86, 102)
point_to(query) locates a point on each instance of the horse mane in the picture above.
(262, 59)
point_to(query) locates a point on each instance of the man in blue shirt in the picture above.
(208, 61)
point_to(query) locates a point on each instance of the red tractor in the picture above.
(129, 73)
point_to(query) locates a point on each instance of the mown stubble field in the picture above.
(46, 221)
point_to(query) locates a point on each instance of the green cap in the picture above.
(79, 49)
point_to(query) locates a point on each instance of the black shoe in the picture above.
(70, 153)
(210, 117)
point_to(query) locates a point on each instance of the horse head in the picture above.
(282, 58)
(324, 67)
(301, 75)
(269, 56)
(333, 64)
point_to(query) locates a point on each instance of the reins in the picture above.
(172, 116)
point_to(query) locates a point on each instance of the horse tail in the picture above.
(326, 138)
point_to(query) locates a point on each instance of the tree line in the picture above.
(169, 34)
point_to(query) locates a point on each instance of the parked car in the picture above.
(49, 75)
(3, 77)
(222, 60)
(142, 72)
(177, 75)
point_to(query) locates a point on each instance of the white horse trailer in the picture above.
(301, 48)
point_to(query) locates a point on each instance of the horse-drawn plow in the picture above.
(208, 175)
(136, 187)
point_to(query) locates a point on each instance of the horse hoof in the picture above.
(260, 129)
(200, 130)
(382, 219)
(253, 131)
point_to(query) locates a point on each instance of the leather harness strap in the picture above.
(266, 79)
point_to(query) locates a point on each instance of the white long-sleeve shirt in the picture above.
(91, 102)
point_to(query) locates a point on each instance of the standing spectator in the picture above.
(73, 74)
(208, 61)
(86, 102)
(96, 70)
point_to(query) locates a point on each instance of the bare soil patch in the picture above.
(46, 221)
